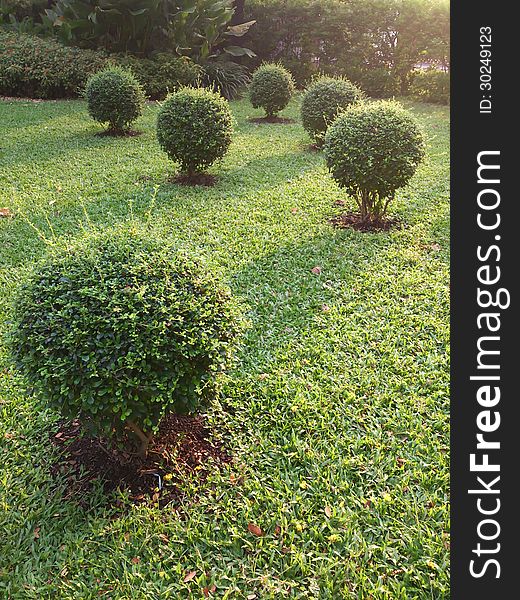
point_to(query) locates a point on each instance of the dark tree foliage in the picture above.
(351, 37)
(238, 16)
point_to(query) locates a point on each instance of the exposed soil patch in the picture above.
(116, 134)
(204, 179)
(314, 148)
(183, 447)
(272, 120)
(354, 221)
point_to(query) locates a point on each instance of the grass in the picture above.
(337, 419)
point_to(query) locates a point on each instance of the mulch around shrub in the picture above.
(204, 179)
(271, 120)
(182, 448)
(353, 221)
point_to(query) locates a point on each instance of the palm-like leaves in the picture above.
(197, 28)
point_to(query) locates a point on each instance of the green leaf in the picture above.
(240, 30)
(239, 51)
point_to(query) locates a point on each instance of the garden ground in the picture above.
(336, 416)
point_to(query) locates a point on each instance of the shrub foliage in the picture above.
(271, 88)
(120, 329)
(114, 96)
(42, 68)
(195, 127)
(323, 100)
(378, 82)
(23, 9)
(199, 28)
(161, 74)
(372, 150)
(431, 86)
(227, 77)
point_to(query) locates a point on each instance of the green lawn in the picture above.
(338, 420)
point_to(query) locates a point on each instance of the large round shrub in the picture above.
(114, 96)
(323, 100)
(271, 88)
(119, 329)
(195, 127)
(371, 151)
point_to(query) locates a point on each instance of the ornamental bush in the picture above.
(161, 74)
(35, 67)
(114, 96)
(228, 78)
(431, 86)
(271, 88)
(119, 329)
(194, 128)
(324, 99)
(378, 83)
(372, 150)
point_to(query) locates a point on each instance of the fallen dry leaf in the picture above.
(6, 213)
(251, 596)
(136, 560)
(316, 270)
(189, 576)
(164, 538)
(328, 511)
(255, 530)
(36, 533)
(294, 210)
(277, 530)
(325, 308)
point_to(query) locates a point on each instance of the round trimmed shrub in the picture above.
(325, 98)
(120, 329)
(372, 150)
(195, 128)
(114, 96)
(271, 88)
